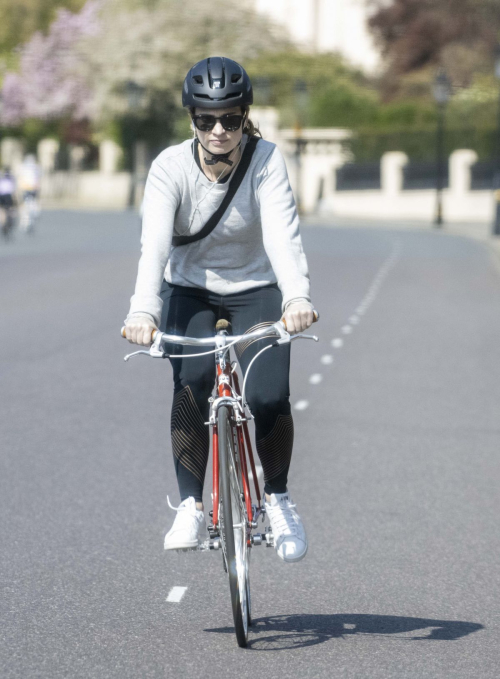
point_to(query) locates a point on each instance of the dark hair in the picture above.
(250, 128)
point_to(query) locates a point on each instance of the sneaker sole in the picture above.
(293, 560)
(181, 545)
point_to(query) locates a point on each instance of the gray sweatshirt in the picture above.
(256, 242)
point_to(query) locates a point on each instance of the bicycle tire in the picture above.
(249, 598)
(233, 523)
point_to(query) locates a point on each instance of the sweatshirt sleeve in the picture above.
(161, 199)
(280, 230)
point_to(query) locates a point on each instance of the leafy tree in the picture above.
(164, 39)
(51, 83)
(416, 34)
(85, 66)
(20, 19)
(311, 89)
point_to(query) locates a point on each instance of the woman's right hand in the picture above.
(139, 330)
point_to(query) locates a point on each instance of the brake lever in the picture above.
(155, 349)
(300, 335)
(135, 353)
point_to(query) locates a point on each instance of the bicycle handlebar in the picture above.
(211, 341)
(222, 342)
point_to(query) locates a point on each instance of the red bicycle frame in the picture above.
(243, 447)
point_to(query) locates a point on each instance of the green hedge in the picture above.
(370, 145)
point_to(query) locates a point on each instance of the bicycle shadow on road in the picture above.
(282, 632)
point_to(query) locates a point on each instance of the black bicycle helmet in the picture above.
(217, 82)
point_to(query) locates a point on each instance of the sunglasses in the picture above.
(230, 122)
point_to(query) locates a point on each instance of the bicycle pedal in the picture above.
(269, 537)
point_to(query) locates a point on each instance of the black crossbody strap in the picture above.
(234, 185)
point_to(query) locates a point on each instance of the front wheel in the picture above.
(233, 522)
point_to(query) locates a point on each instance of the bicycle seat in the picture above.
(222, 324)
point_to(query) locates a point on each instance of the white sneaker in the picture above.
(289, 535)
(188, 524)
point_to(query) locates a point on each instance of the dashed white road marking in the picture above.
(316, 378)
(338, 342)
(176, 594)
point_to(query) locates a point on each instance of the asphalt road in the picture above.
(395, 471)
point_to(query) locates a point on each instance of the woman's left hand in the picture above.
(298, 316)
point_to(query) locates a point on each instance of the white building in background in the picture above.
(327, 26)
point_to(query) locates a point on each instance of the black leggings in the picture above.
(194, 312)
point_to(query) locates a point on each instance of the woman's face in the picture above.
(219, 140)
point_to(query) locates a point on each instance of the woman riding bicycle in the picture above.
(250, 270)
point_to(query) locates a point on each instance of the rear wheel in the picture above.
(233, 525)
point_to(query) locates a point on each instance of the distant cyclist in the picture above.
(7, 201)
(250, 270)
(29, 183)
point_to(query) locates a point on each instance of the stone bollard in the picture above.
(391, 171)
(47, 151)
(11, 152)
(461, 162)
(109, 156)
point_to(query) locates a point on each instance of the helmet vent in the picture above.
(236, 77)
(198, 79)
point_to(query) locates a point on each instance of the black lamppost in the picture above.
(301, 102)
(441, 91)
(496, 177)
(134, 94)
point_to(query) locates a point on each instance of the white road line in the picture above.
(346, 329)
(337, 343)
(326, 359)
(377, 281)
(316, 378)
(354, 320)
(301, 405)
(176, 594)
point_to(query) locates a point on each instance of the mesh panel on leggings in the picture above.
(190, 436)
(275, 449)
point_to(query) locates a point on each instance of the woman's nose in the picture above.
(218, 129)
